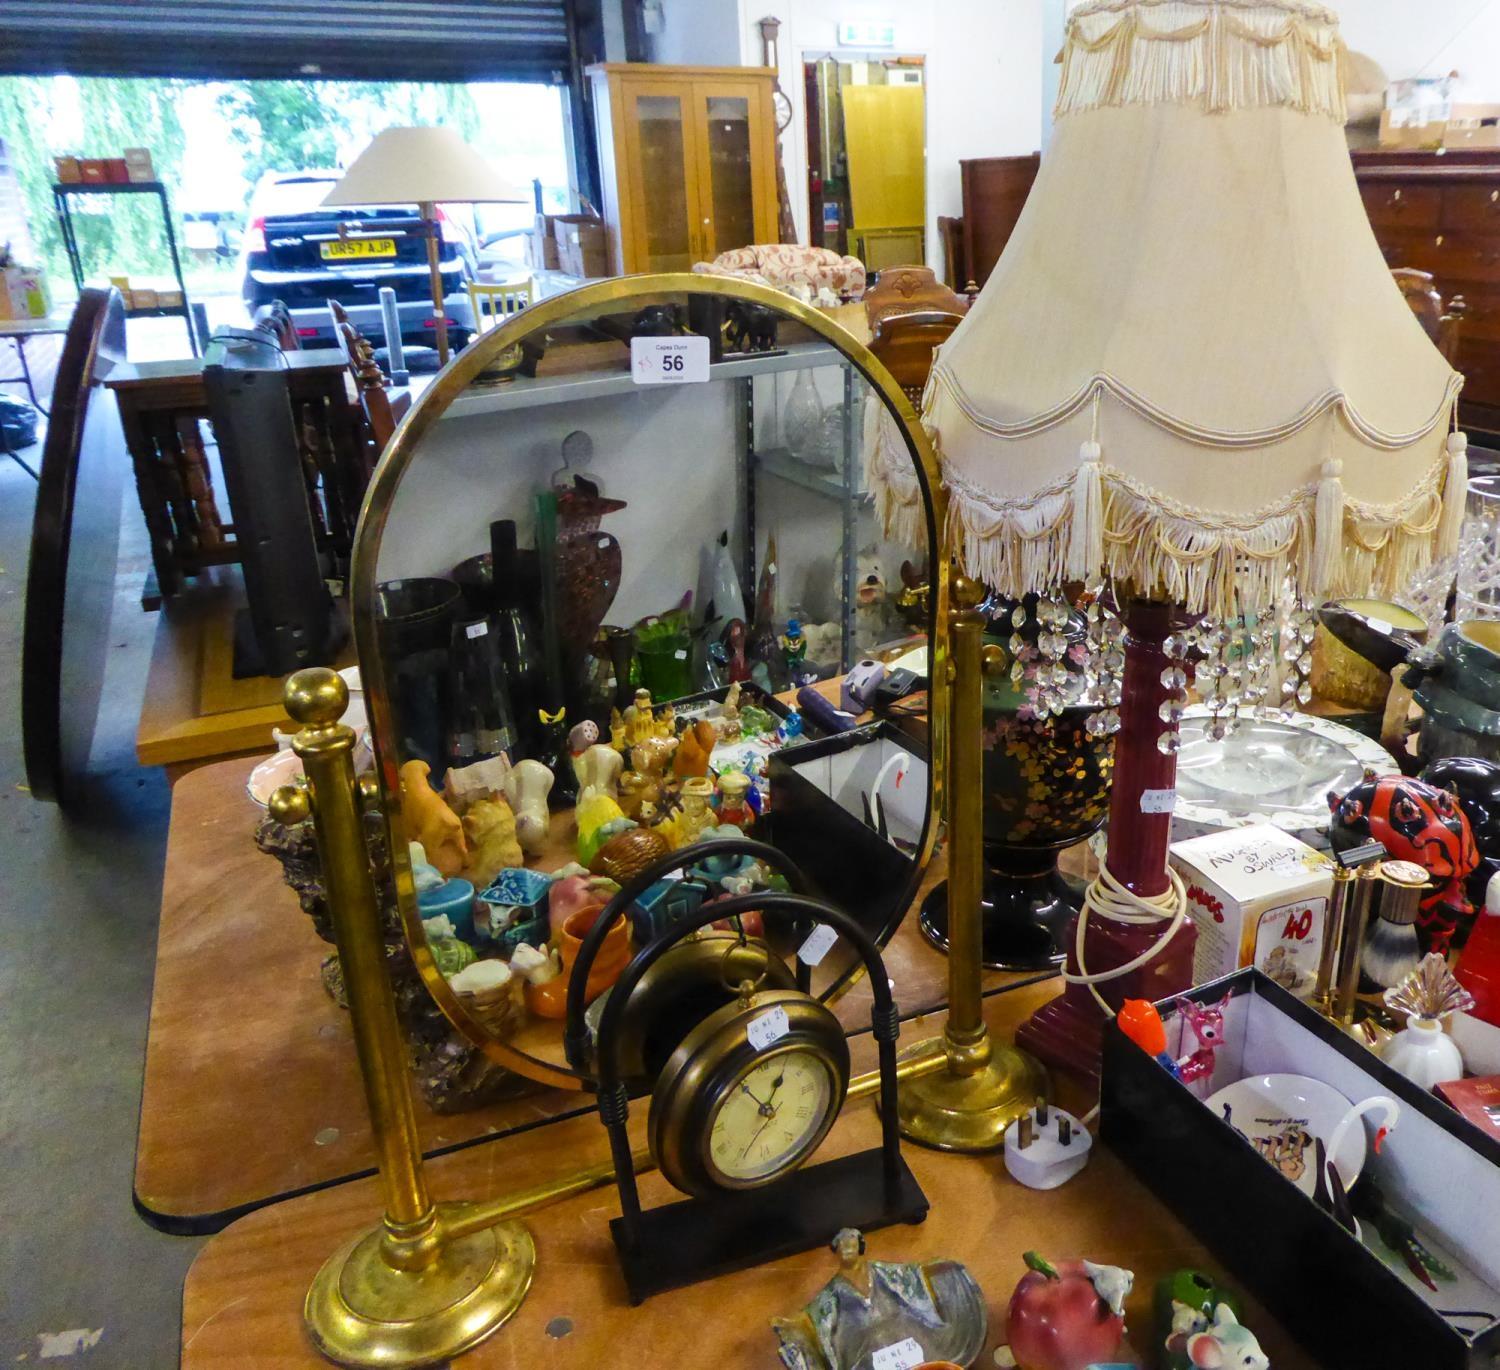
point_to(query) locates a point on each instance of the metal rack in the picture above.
(62, 194)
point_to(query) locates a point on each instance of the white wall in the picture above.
(702, 33)
(984, 80)
(1429, 38)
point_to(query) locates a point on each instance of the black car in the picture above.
(296, 251)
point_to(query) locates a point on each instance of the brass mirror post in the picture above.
(966, 1103)
(413, 1291)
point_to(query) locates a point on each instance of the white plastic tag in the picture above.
(902, 1356)
(1158, 801)
(769, 1027)
(1380, 625)
(477, 629)
(669, 361)
(815, 948)
(680, 654)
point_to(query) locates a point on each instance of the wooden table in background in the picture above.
(252, 1090)
(242, 1301)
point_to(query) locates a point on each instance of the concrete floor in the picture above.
(77, 950)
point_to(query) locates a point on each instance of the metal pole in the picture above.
(395, 354)
(966, 835)
(435, 272)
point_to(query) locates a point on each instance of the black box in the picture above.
(1336, 1296)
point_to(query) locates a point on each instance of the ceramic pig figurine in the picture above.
(1226, 1345)
(527, 787)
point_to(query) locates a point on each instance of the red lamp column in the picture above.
(1068, 1032)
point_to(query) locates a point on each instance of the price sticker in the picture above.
(903, 1355)
(1158, 801)
(669, 361)
(815, 948)
(477, 629)
(680, 654)
(769, 1027)
(1380, 625)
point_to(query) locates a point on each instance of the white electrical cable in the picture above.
(1107, 897)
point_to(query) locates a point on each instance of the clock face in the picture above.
(772, 1117)
(783, 108)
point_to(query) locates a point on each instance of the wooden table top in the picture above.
(241, 1028)
(242, 1300)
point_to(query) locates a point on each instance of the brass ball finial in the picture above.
(288, 805)
(967, 593)
(316, 697)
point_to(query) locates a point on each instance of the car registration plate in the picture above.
(348, 249)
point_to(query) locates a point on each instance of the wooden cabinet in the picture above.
(995, 191)
(687, 156)
(1441, 214)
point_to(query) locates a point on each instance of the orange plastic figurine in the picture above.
(1139, 1021)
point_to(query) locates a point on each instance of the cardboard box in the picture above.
(117, 171)
(95, 170)
(23, 293)
(1476, 126)
(69, 172)
(582, 244)
(138, 163)
(142, 297)
(1410, 137)
(541, 246)
(169, 299)
(1258, 896)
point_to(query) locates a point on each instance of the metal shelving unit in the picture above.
(62, 195)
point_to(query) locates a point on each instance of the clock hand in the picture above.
(762, 1103)
(746, 1151)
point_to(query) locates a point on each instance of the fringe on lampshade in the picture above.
(1233, 56)
(1211, 564)
(891, 479)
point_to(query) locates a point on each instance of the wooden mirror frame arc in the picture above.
(623, 294)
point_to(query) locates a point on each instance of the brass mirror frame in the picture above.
(626, 292)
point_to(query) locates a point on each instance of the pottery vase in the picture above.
(550, 1000)
(1424, 1053)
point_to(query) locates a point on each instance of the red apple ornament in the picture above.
(1067, 1316)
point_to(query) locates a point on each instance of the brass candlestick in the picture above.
(966, 1103)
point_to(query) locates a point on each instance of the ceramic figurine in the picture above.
(430, 821)
(535, 965)
(559, 761)
(694, 748)
(617, 738)
(628, 853)
(575, 889)
(872, 1304)
(666, 722)
(453, 902)
(598, 770)
(1414, 822)
(1224, 1345)
(490, 828)
(1206, 1022)
(581, 736)
(1422, 1051)
(733, 807)
(794, 646)
(651, 757)
(733, 642)
(1184, 1304)
(640, 721)
(550, 999)
(635, 790)
(1475, 783)
(696, 814)
(526, 788)
(824, 640)
(425, 876)
(488, 989)
(1067, 1316)
(482, 780)
(789, 729)
(599, 818)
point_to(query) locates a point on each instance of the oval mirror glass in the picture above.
(603, 554)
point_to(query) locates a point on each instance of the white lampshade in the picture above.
(1191, 368)
(418, 165)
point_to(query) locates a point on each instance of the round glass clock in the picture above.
(750, 1093)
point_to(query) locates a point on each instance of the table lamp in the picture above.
(428, 166)
(1189, 389)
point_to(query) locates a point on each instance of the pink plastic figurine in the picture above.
(1207, 1023)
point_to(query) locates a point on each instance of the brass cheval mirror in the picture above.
(588, 583)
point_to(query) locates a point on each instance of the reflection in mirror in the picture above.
(611, 606)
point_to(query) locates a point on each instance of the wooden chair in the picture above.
(494, 302)
(276, 319)
(381, 407)
(908, 290)
(955, 269)
(905, 344)
(1426, 303)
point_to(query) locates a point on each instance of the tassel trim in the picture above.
(1218, 54)
(1455, 494)
(1211, 565)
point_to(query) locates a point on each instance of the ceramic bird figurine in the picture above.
(694, 748)
(430, 821)
(526, 788)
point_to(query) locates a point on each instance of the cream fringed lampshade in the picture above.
(1190, 369)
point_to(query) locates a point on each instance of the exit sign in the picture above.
(862, 34)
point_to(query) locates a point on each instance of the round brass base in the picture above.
(953, 1112)
(361, 1311)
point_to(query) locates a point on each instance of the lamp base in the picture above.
(953, 1112)
(1024, 911)
(361, 1311)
